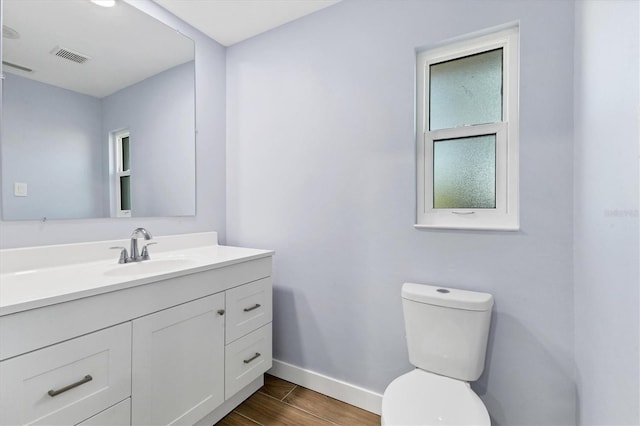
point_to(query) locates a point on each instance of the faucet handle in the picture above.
(124, 256)
(145, 251)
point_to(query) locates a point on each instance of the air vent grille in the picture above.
(10, 33)
(70, 55)
(16, 66)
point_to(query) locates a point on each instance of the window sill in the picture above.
(474, 227)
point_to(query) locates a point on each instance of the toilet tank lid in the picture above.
(447, 297)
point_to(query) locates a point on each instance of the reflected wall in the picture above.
(60, 115)
(57, 141)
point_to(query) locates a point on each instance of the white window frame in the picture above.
(119, 172)
(505, 215)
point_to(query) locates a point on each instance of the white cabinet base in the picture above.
(231, 403)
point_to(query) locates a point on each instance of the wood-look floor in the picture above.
(279, 402)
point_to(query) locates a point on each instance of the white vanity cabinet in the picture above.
(180, 350)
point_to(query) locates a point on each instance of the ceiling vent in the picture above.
(10, 33)
(16, 66)
(70, 55)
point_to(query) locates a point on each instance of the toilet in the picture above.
(447, 331)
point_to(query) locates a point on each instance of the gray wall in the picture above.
(321, 167)
(210, 163)
(607, 259)
(161, 137)
(49, 131)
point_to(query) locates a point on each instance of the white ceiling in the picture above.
(231, 21)
(125, 45)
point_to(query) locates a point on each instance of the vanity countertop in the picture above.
(36, 277)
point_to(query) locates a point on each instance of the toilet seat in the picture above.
(423, 398)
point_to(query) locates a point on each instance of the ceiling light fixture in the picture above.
(104, 3)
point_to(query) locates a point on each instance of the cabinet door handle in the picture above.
(54, 392)
(256, 306)
(247, 361)
(220, 311)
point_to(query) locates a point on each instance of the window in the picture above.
(122, 184)
(467, 134)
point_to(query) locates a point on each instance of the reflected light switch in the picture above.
(20, 189)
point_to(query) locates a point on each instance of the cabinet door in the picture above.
(178, 363)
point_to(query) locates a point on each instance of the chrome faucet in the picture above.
(135, 255)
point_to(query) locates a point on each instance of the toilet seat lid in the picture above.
(423, 398)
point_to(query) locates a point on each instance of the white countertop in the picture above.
(41, 276)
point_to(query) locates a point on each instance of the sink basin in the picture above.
(154, 266)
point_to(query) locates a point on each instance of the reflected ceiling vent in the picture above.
(10, 33)
(70, 55)
(16, 66)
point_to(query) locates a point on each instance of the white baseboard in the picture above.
(343, 391)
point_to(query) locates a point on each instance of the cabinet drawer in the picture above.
(246, 359)
(249, 307)
(67, 382)
(118, 415)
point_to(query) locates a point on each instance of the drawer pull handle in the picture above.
(256, 306)
(55, 392)
(247, 361)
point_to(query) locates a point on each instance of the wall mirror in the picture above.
(98, 113)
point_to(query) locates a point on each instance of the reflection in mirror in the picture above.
(98, 116)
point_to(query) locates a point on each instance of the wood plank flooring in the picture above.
(279, 402)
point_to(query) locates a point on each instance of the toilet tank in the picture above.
(447, 329)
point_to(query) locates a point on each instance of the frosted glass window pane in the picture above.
(125, 193)
(125, 154)
(466, 91)
(464, 173)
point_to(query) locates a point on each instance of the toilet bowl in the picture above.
(423, 398)
(447, 331)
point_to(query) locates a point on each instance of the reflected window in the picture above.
(122, 182)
